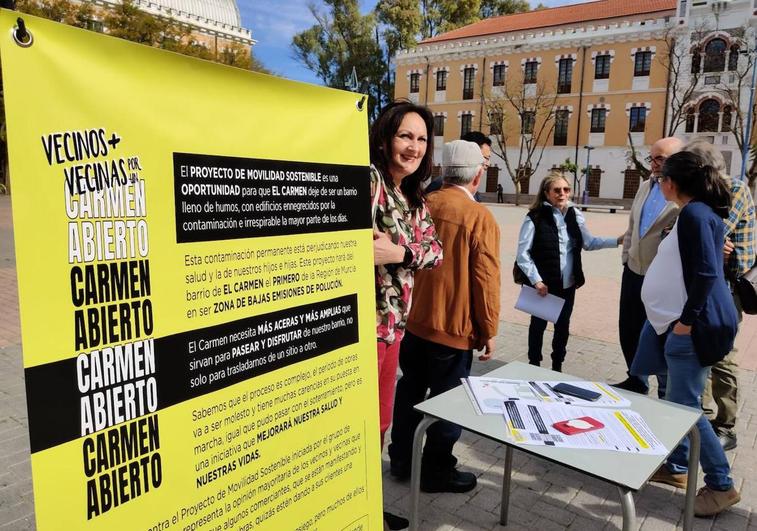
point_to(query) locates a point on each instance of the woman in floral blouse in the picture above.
(404, 239)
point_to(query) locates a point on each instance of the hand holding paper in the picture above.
(547, 307)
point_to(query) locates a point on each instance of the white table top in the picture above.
(668, 421)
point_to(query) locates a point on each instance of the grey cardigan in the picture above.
(638, 253)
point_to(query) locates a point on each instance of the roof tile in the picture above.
(557, 16)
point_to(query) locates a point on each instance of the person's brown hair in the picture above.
(382, 132)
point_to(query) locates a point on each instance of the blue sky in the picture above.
(275, 22)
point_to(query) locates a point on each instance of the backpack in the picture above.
(745, 287)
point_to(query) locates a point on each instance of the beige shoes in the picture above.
(663, 475)
(708, 502)
(711, 502)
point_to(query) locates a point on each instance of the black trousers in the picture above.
(632, 314)
(562, 330)
(427, 369)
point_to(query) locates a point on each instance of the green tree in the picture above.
(73, 14)
(440, 16)
(495, 8)
(342, 40)
(402, 24)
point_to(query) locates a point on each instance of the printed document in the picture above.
(547, 308)
(488, 394)
(624, 430)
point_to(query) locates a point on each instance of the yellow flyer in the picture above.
(193, 245)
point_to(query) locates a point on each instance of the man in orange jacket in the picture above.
(455, 310)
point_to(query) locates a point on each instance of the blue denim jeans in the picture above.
(686, 379)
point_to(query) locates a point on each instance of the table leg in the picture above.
(505, 505)
(629, 509)
(415, 470)
(691, 484)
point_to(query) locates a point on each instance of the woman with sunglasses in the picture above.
(691, 319)
(549, 259)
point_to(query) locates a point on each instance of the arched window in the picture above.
(726, 119)
(708, 115)
(733, 59)
(690, 118)
(714, 56)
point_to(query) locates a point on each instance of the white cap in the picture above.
(462, 154)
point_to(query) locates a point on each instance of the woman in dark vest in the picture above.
(549, 257)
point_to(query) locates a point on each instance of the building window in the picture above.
(726, 127)
(714, 56)
(468, 75)
(708, 116)
(94, 25)
(561, 128)
(529, 71)
(638, 119)
(528, 118)
(602, 67)
(495, 123)
(415, 83)
(682, 9)
(441, 80)
(466, 124)
(733, 59)
(690, 120)
(598, 117)
(564, 76)
(642, 64)
(439, 125)
(499, 76)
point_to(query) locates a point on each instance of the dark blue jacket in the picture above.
(709, 307)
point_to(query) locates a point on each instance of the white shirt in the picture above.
(663, 291)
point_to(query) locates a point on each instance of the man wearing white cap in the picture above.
(455, 310)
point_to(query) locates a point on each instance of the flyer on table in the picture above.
(193, 247)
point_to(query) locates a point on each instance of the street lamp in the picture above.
(585, 198)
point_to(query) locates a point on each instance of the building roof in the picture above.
(224, 11)
(216, 17)
(557, 16)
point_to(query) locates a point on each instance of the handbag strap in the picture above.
(376, 194)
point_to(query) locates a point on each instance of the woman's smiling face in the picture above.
(408, 147)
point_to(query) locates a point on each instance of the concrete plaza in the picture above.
(544, 496)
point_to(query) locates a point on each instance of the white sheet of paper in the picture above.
(624, 430)
(488, 394)
(547, 308)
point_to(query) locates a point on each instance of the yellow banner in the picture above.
(194, 260)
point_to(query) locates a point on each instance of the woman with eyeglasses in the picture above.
(691, 319)
(549, 259)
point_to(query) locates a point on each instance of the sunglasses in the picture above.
(565, 190)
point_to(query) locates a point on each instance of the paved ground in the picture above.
(545, 496)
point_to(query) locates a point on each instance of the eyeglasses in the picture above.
(659, 159)
(565, 190)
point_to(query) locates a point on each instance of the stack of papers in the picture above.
(531, 408)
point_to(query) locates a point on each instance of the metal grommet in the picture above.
(360, 104)
(21, 34)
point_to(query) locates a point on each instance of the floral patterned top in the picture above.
(394, 282)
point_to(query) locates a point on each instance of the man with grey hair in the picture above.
(455, 310)
(722, 387)
(650, 215)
